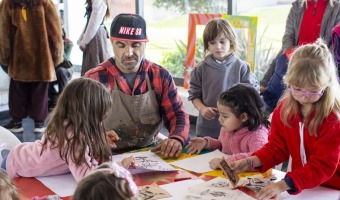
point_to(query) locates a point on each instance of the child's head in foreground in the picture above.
(107, 182)
(8, 191)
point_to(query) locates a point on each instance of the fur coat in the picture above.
(30, 39)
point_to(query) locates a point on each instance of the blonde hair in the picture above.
(8, 190)
(312, 65)
(331, 3)
(213, 29)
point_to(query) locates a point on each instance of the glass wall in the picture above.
(168, 29)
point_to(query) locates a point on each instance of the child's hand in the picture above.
(208, 113)
(273, 190)
(128, 161)
(215, 163)
(111, 138)
(196, 145)
(239, 166)
(261, 89)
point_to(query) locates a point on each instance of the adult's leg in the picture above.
(52, 90)
(18, 98)
(37, 104)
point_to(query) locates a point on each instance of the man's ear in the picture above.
(244, 117)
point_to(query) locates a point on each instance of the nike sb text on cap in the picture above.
(128, 27)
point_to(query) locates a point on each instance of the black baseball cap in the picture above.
(128, 27)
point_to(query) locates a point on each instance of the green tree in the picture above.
(175, 61)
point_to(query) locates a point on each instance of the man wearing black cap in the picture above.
(143, 92)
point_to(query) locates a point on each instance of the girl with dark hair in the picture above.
(244, 125)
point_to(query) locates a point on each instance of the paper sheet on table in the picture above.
(178, 190)
(199, 163)
(63, 185)
(216, 189)
(308, 194)
(214, 193)
(145, 161)
(317, 193)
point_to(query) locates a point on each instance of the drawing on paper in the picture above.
(217, 182)
(151, 192)
(220, 184)
(145, 161)
(209, 192)
(149, 163)
(216, 189)
(256, 184)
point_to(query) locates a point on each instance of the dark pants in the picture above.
(275, 87)
(3, 164)
(63, 77)
(28, 99)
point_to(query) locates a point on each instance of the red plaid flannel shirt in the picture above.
(175, 119)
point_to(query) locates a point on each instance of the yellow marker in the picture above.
(23, 13)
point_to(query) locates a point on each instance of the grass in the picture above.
(275, 21)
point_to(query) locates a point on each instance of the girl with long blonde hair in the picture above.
(305, 126)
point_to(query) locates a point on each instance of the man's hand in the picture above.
(112, 138)
(208, 113)
(196, 145)
(169, 148)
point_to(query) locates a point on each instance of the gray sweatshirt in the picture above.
(209, 79)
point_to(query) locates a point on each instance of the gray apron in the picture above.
(136, 119)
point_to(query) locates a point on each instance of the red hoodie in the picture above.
(323, 152)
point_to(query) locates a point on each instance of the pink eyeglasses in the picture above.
(309, 95)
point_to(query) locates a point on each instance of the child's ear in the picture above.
(244, 117)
